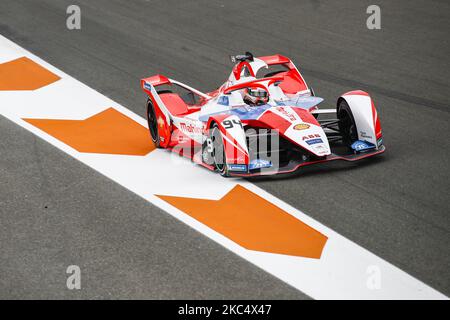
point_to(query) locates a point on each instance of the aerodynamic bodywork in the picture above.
(263, 120)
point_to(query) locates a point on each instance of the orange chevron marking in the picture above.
(24, 74)
(108, 132)
(254, 223)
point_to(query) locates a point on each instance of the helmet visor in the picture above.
(259, 93)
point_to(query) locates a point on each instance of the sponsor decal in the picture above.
(189, 128)
(364, 134)
(360, 145)
(320, 149)
(314, 141)
(223, 100)
(147, 86)
(229, 124)
(237, 167)
(311, 136)
(283, 111)
(259, 164)
(301, 126)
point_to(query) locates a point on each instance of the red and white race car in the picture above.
(263, 120)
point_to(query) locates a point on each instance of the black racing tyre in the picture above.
(347, 125)
(153, 123)
(218, 152)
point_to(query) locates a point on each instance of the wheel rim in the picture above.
(347, 126)
(152, 122)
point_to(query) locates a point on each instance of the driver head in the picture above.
(256, 96)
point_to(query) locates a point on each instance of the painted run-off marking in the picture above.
(109, 132)
(24, 74)
(254, 223)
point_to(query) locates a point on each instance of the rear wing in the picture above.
(155, 81)
(149, 84)
(275, 59)
(159, 80)
(280, 59)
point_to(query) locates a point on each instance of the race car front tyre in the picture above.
(218, 150)
(347, 125)
(153, 124)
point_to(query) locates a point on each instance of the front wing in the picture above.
(296, 163)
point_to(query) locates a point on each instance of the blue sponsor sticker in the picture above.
(147, 86)
(259, 164)
(237, 167)
(223, 100)
(360, 145)
(314, 141)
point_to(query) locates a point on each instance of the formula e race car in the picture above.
(263, 120)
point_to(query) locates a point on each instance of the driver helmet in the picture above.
(256, 96)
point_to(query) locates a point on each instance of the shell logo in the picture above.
(301, 126)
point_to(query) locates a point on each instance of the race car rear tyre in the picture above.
(347, 125)
(153, 124)
(218, 152)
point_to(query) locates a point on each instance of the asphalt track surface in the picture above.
(56, 211)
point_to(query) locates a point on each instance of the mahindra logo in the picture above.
(190, 128)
